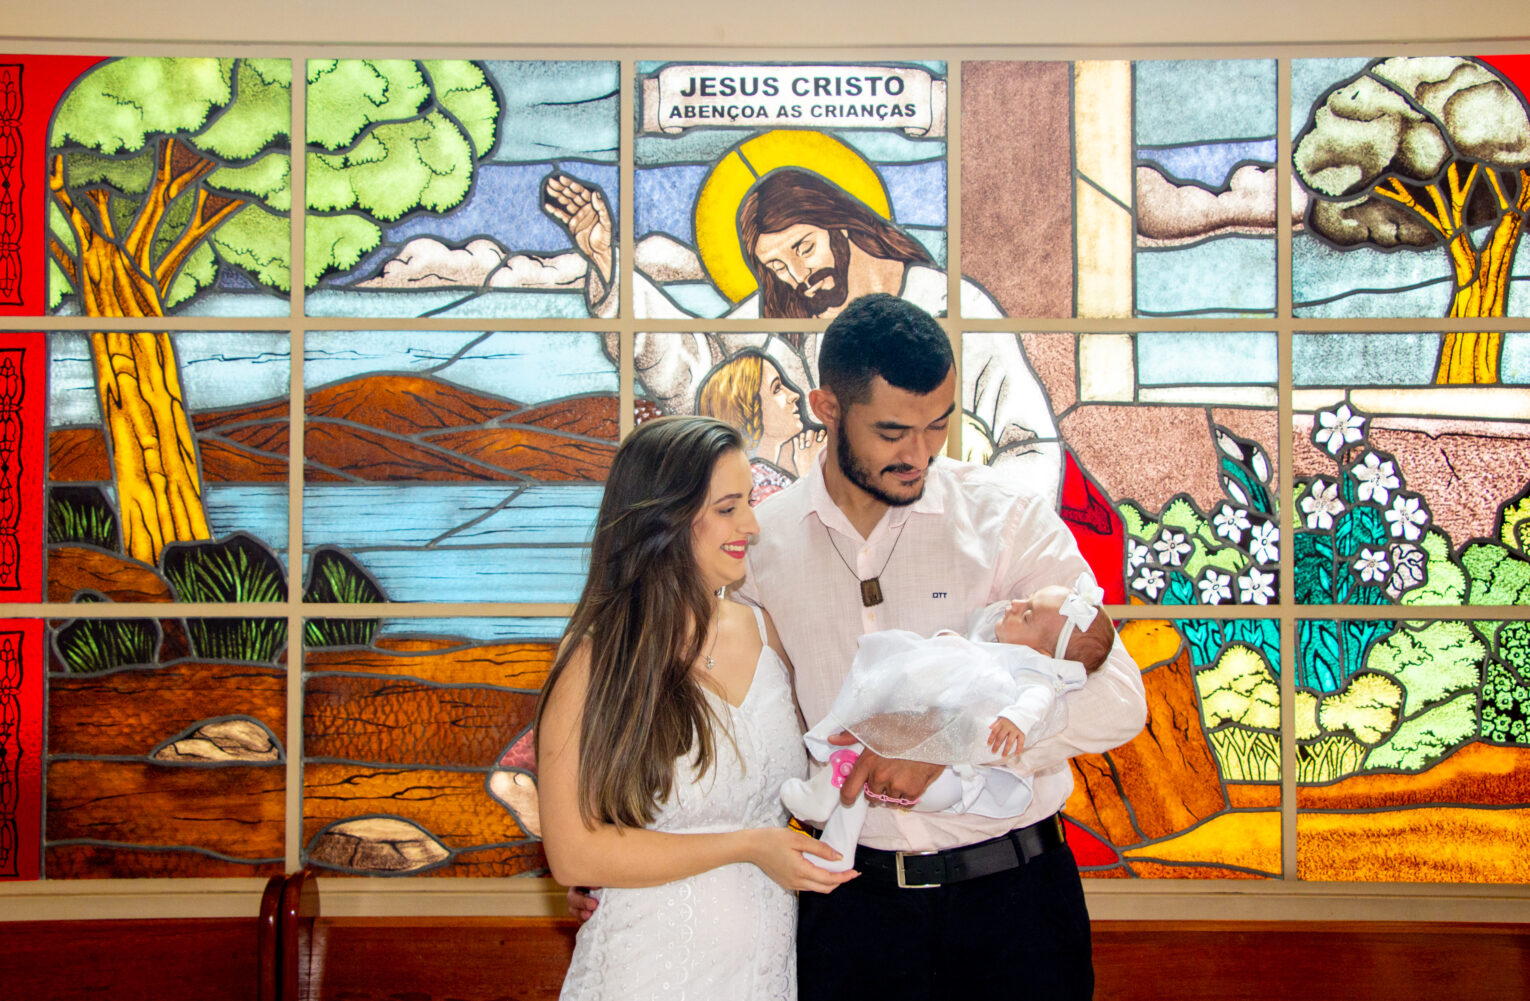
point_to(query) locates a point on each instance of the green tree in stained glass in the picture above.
(163, 173)
(1427, 153)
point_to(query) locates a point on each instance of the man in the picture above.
(814, 247)
(883, 535)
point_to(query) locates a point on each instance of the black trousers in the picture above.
(1018, 934)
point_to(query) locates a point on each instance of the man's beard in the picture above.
(856, 472)
(825, 298)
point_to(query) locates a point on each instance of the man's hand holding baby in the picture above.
(886, 780)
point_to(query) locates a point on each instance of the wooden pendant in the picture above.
(871, 592)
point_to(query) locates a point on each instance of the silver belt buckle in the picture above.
(903, 883)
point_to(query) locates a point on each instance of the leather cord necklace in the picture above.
(871, 587)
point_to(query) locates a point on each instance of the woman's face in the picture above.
(720, 533)
(778, 405)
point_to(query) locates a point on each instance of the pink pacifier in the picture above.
(840, 763)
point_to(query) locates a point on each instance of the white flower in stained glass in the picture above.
(1136, 554)
(1264, 543)
(1410, 567)
(1322, 504)
(1406, 517)
(1339, 427)
(1372, 565)
(1256, 587)
(1230, 522)
(1376, 478)
(1149, 582)
(1171, 547)
(1216, 587)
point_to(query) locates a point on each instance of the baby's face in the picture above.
(1034, 621)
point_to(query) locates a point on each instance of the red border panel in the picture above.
(22, 667)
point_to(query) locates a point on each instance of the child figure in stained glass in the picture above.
(968, 702)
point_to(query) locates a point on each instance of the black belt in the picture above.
(922, 870)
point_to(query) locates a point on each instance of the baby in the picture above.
(963, 702)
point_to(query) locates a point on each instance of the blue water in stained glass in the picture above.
(465, 303)
(1185, 358)
(460, 542)
(495, 630)
(1378, 359)
(1228, 274)
(1368, 282)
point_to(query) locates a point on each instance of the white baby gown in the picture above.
(728, 933)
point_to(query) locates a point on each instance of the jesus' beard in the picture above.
(827, 297)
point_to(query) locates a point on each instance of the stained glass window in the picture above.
(400, 444)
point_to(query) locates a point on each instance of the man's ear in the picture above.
(824, 406)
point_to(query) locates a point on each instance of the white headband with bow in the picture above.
(1078, 610)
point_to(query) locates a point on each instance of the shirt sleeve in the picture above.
(1036, 549)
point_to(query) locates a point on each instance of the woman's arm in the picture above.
(607, 855)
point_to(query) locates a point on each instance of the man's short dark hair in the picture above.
(881, 334)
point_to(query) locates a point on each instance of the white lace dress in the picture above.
(727, 934)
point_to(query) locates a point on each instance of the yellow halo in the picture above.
(717, 239)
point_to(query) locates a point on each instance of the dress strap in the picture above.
(759, 620)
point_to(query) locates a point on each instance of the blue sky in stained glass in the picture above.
(1196, 100)
(217, 370)
(1210, 163)
(529, 367)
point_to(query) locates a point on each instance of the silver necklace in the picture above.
(871, 587)
(716, 632)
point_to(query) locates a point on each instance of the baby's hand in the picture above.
(1005, 738)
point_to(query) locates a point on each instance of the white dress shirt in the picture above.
(972, 539)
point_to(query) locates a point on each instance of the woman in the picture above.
(664, 732)
(749, 392)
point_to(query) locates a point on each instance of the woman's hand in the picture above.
(779, 852)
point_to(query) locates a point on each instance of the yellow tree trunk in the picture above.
(154, 462)
(1482, 289)
(154, 459)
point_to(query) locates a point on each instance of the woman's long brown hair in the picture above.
(644, 615)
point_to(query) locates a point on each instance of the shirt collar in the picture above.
(932, 501)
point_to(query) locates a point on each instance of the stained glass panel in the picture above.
(1412, 176)
(768, 190)
(418, 755)
(181, 467)
(1412, 765)
(439, 187)
(1196, 795)
(166, 747)
(1160, 176)
(486, 450)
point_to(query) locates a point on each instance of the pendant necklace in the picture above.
(871, 587)
(716, 633)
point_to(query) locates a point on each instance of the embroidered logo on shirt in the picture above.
(937, 594)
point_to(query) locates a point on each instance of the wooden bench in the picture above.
(148, 959)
